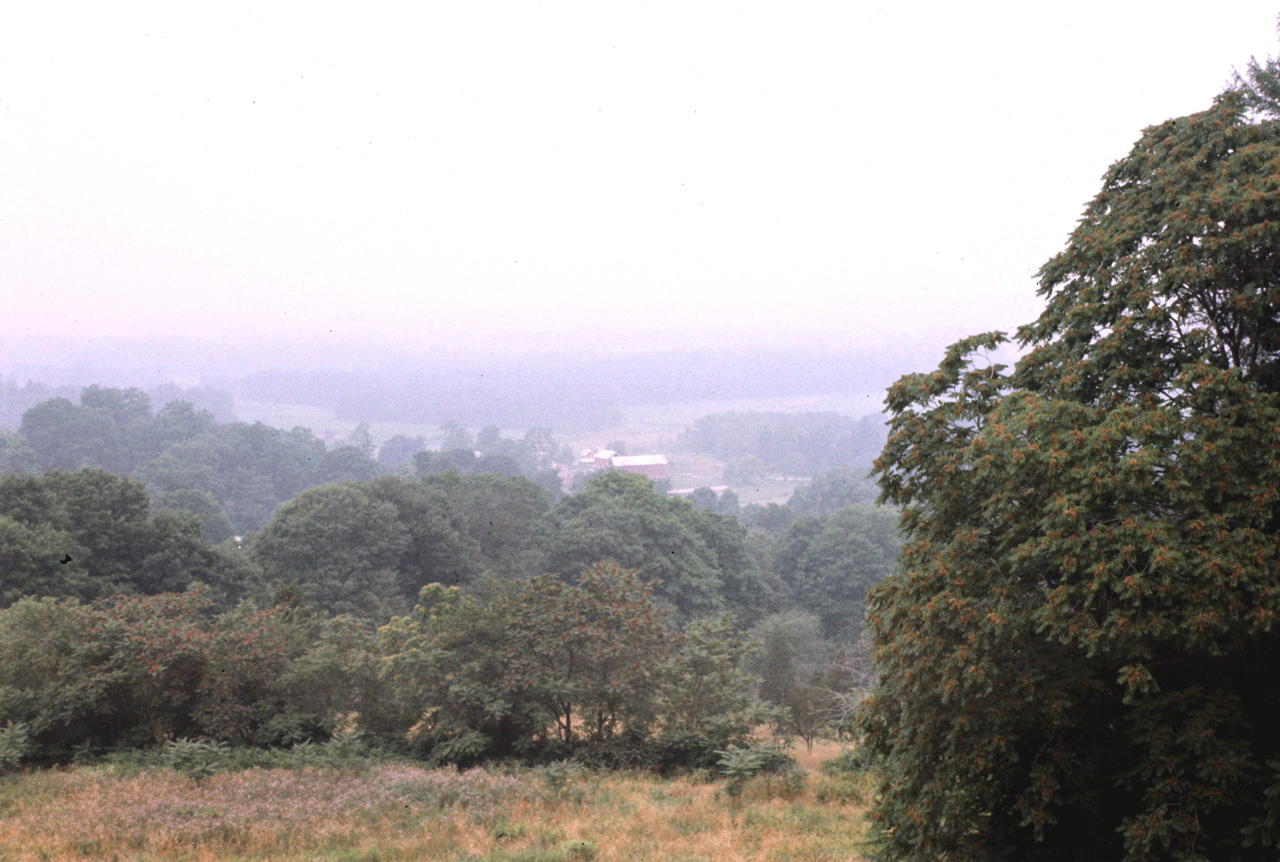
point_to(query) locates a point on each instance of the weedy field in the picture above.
(396, 811)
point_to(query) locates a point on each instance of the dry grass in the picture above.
(399, 812)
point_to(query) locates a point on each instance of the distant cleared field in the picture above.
(646, 428)
(655, 427)
(403, 812)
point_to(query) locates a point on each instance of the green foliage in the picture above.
(249, 469)
(1259, 87)
(14, 746)
(341, 547)
(136, 671)
(346, 464)
(740, 764)
(829, 563)
(808, 711)
(492, 454)
(66, 436)
(331, 671)
(518, 667)
(497, 516)
(699, 561)
(560, 781)
(398, 451)
(1075, 656)
(842, 789)
(16, 456)
(195, 759)
(855, 761)
(446, 664)
(87, 533)
(346, 748)
(32, 561)
(707, 700)
(832, 491)
(368, 549)
(777, 667)
(438, 548)
(792, 649)
(112, 429)
(772, 519)
(214, 523)
(505, 663)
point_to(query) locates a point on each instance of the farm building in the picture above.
(653, 466)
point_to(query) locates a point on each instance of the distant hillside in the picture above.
(574, 392)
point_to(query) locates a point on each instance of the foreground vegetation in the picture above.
(139, 809)
(1078, 653)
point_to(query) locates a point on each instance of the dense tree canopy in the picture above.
(90, 533)
(250, 469)
(1078, 656)
(341, 546)
(128, 671)
(830, 562)
(700, 561)
(498, 515)
(16, 455)
(588, 667)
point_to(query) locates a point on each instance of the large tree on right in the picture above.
(1079, 653)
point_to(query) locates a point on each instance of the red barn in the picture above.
(653, 466)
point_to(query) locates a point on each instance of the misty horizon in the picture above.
(354, 189)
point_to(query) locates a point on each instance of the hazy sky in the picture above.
(438, 173)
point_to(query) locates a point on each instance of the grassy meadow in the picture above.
(398, 811)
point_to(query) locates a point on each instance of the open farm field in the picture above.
(403, 812)
(655, 427)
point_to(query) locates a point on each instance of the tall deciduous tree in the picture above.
(99, 529)
(1078, 656)
(829, 563)
(521, 666)
(341, 546)
(699, 560)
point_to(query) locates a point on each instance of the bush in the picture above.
(346, 748)
(540, 669)
(194, 758)
(14, 745)
(741, 764)
(559, 781)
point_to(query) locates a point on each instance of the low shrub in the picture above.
(15, 744)
(194, 758)
(559, 781)
(741, 764)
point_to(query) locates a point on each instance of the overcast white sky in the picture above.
(439, 173)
